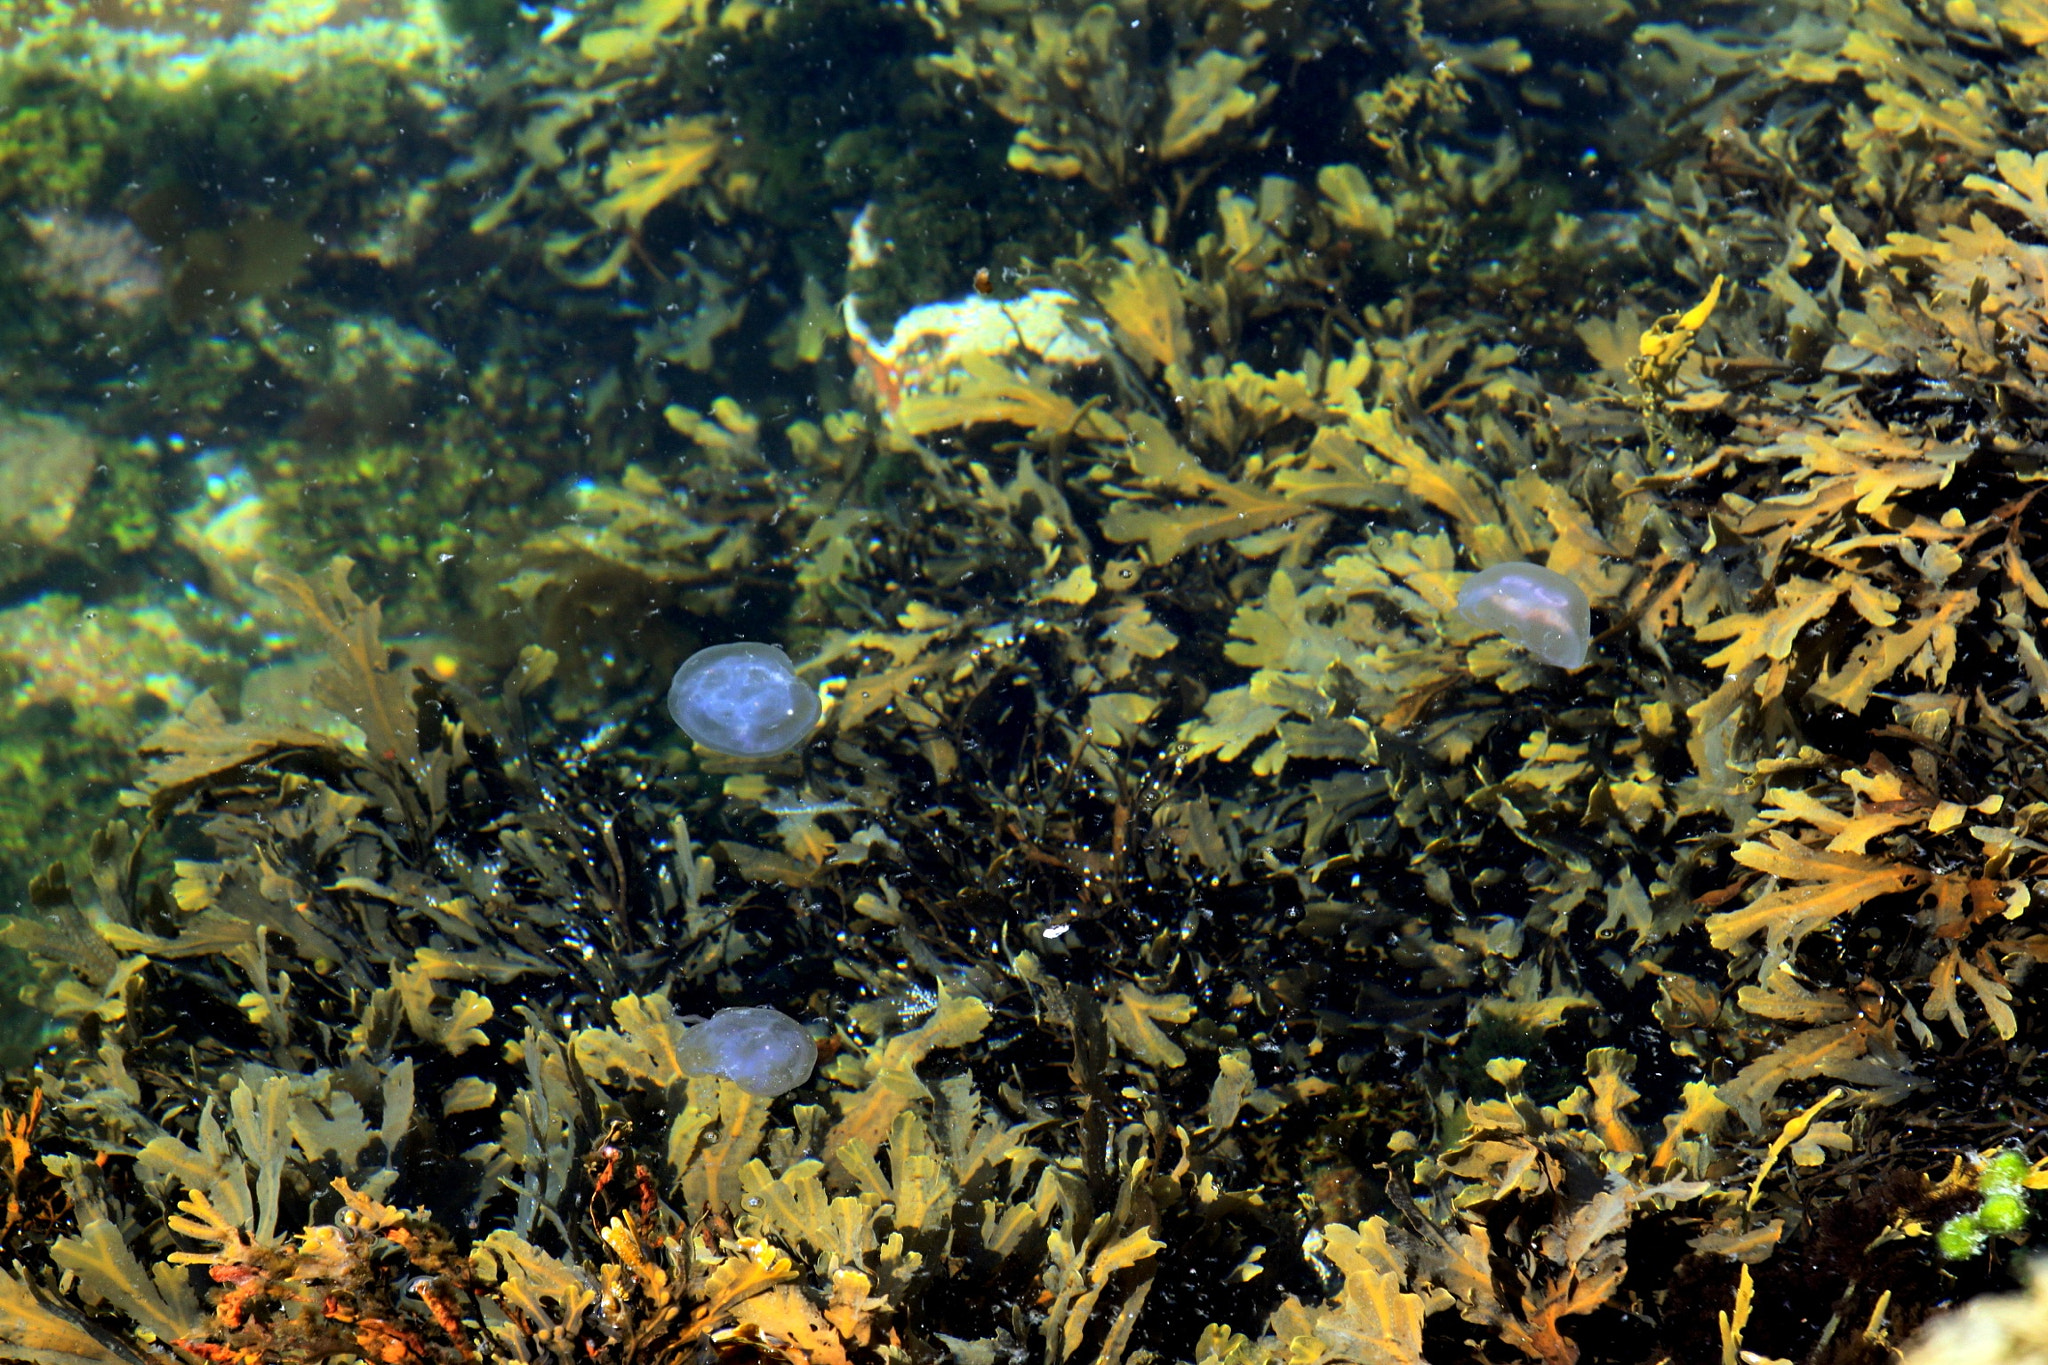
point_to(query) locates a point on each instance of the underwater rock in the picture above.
(100, 661)
(229, 527)
(131, 44)
(1542, 611)
(45, 465)
(762, 1051)
(743, 699)
(102, 262)
(1042, 322)
(932, 342)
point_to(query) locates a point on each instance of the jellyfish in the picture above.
(1542, 611)
(762, 1051)
(743, 699)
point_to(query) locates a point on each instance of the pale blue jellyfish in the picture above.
(743, 699)
(1542, 611)
(762, 1051)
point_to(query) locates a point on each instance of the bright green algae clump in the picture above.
(2003, 1212)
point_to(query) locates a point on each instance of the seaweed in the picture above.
(1217, 947)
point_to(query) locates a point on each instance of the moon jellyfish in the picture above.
(1543, 612)
(743, 699)
(762, 1051)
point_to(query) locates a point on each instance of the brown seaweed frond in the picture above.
(35, 1328)
(358, 681)
(198, 748)
(1374, 1319)
(1088, 101)
(660, 165)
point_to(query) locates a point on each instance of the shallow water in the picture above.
(1206, 926)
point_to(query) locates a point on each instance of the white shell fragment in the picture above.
(1046, 322)
(743, 699)
(1542, 611)
(762, 1051)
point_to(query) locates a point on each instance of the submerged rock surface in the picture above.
(45, 465)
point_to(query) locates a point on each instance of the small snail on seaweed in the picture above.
(743, 699)
(1539, 609)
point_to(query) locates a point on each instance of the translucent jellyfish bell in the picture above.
(743, 699)
(762, 1051)
(1543, 612)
